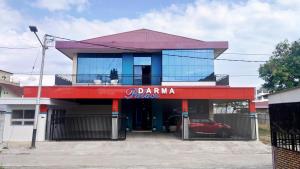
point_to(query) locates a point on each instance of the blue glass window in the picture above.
(142, 61)
(187, 65)
(92, 67)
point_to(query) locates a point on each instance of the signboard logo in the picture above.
(147, 93)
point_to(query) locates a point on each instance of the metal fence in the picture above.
(285, 125)
(123, 79)
(263, 118)
(84, 127)
(233, 126)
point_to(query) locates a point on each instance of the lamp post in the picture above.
(38, 98)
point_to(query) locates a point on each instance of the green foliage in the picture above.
(282, 71)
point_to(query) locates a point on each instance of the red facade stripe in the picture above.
(185, 106)
(119, 92)
(252, 108)
(115, 105)
(43, 108)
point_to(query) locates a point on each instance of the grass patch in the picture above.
(264, 133)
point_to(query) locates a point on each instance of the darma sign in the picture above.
(147, 93)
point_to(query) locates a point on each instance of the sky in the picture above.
(253, 26)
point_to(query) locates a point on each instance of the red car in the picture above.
(209, 127)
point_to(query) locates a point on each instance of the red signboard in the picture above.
(140, 92)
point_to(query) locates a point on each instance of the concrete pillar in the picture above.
(115, 117)
(185, 120)
(210, 110)
(74, 69)
(254, 122)
(48, 125)
(2, 118)
(252, 108)
(256, 127)
(41, 128)
(42, 122)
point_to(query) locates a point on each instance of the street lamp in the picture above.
(38, 98)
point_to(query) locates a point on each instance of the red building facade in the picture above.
(147, 77)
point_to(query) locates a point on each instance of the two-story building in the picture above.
(141, 80)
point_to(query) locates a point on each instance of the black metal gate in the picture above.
(84, 127)
(285, 125)
(231, 126)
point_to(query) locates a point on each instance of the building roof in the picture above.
(6, 72)
(142, 40)
(285, 96)
(262, 105)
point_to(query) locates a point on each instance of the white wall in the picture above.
(15, 133)
(1, 126)
(188, 83)
(6, 92)
(22, 133)
(5, 75)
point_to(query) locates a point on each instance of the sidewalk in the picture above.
(139, 153)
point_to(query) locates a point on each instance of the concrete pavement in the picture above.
(139, 151)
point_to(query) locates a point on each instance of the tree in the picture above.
(282, 71)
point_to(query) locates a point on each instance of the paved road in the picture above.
(139, 152)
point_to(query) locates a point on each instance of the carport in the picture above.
(106, 112)
(85, 119)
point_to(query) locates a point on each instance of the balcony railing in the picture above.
(10, 81)
(126, 79)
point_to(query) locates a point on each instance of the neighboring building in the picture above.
(261, 102)
(140, 80)
(284, 109)
(262, 94)
(262, 105)
(9, 87)
(2, 110)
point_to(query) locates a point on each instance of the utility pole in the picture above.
(38, 98)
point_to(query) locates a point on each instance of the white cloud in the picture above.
(250, 27)
(61, 5)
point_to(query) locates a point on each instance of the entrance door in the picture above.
(142, 116)
(142, 74)
(146, 75)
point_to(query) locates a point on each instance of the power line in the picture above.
(243, 75)
(144, 50)
(232, 60)
(29, 73)
(237, 53)
(5, 47)
(225, 53)
(35, 60)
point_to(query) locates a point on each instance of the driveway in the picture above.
(139, 151)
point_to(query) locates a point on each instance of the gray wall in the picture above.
(1, 126)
